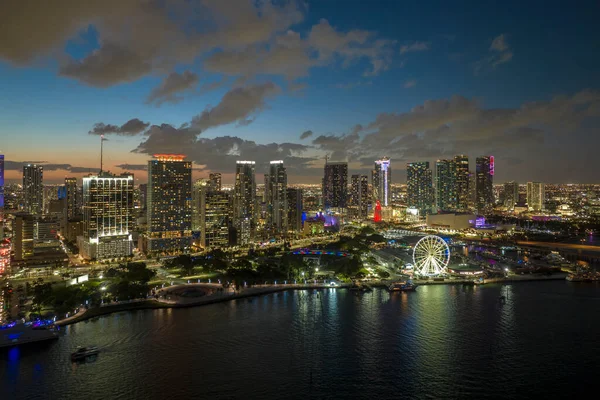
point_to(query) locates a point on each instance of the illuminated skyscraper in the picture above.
(214, 180)
(1, 197)
(335, 185)
(381, 180)
(511, 195)
(33, 189)
(484, 176)
(295, 207)
(71, 191)
(535, 196)
(244, 201)
(276, 191)
(359, 194)
(419, 189)
(169, 201)
(215, 211)
(461, 165)
(23, 236)
(445, 185)
(108, 216)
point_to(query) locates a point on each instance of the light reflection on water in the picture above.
(440, 341)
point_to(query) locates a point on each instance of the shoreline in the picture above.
(151, 304)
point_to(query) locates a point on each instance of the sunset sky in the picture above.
(293, 80)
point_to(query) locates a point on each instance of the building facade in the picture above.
(359, 194)
(484, 176)
(295, 208)
(108, 216)
(214, 180)
(381, 179)
(535, 196)
(335, 186)
(33, 189)
(71, 197)
(419, 190)
(511, 195)
(445, 185)
(215, 214)
(461, 165)
(169, 204)
(276, 201)
(244, 201)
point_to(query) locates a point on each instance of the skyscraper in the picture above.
(108, 216)
(71, 191)
(244, 201)
(198, 189)
(535, 196)
(2, 200)
(381, 180)
(169, 201)
(461, 165)
(359, 192)
(335, 185)
(295, 207)
(214, 180)
(484, 171)
(33, 189)
(419, 186)
(277, 207)
(511, 195)
(215, 211)
(445, 185)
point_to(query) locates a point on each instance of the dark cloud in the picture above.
(170, 88)
(18, 166)
(306, 135)
(132, 127)
(239, 105)
(133, 167)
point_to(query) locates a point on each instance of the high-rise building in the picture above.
(33, 189)
(215, 211)
(276, 189)
(419, 189)
(295, 207)
(198, 189)
(535, 196)
(108, 216)
(23, 235)
(511, 195)
(359, 194)
(484, 176)
(169, 202)
(1, 197)
(71, 206)
(381, 180)
(244, 201)
(445, 185)
(214, 180)
(335, 185)
(461, 165)
(143, 188)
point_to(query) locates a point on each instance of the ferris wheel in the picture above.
(431, 256)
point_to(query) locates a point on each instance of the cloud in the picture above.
(306, 135)
(413, 47)
(352, 85)
(501, 53)
(130, 128)
(173, 84)
(18, 166)
(239, 105)
(132, 167)
(410, 83)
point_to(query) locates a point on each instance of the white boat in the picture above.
(16, 333)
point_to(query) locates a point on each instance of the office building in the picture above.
(23, 236)
(535, 196)
(214, 181)
(484, 184)
(511, 195)
(359, 194)
(169, 204)
(244, 201)
(295, 207)
(276, 189)
(335, 186)
(143, 196)
(215, 212)
(1, 198)
(70, 201)
(33, 189)
(461, 182)
(381, 180)
(108, 216)
(419, 190)
(198, 189)
(445, 185)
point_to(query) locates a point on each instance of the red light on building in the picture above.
(492, 165)
(377, 213)
(170, 157)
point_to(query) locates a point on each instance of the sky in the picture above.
(297, 81)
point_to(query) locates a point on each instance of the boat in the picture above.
(15, 333)
(402, 287)
(83, 353)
